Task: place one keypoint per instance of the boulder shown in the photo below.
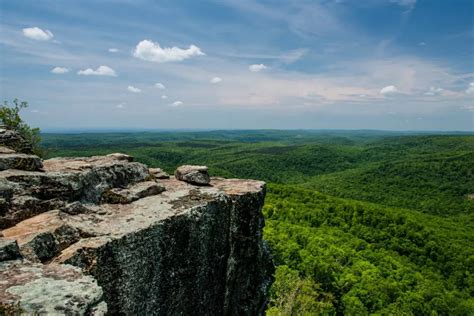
(197, 175)
(120, 156)
(158, 173)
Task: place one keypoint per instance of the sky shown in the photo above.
(240, 64)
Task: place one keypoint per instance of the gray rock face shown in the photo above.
(53, 289)
(167, 248)
(198, 175)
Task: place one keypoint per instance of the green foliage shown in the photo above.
(10, 115)
(372, 259)
(293, 295)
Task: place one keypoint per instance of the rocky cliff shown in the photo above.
(108, 235)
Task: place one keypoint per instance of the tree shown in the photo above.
(10, 115)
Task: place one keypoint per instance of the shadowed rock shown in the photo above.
(9, 250)
(198, 175)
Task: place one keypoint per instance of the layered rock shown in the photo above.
(140, 246)
(13, 140)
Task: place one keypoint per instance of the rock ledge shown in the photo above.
(103, 235)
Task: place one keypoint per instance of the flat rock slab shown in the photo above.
(52, 289)
(6, 150)
(20, 161)
(198, 175)
(133, 193)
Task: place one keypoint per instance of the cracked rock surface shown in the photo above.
(98, 235)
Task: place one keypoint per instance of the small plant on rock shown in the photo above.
(10, 116)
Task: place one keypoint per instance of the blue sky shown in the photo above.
(240, 64)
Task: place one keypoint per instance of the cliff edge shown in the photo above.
(105, 234)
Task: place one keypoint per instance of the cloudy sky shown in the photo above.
(345, 64)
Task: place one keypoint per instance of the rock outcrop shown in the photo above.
(103, 235)
(197, 175)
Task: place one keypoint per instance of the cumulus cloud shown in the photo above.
(113, 50)
(470, 88)
(434, 91)
(164, 97)
(257, 67)
(59, 70)
(216, 80)
(177, 103)
(37, 34)
(150, 51)
(159, 85)
(388, 90)
(133, 89)
(101, 71)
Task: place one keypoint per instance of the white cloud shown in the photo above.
(37, 34)
(133, 89)
(59, 70)
(150, 51)
(120, 106)
(164, 97)
(389, 90)
(470, 88)
(216, 80)
(422, 44)
(177, 103)
(101, 71)
(113, 50)
(257, 67)
(434, 91)
(159, 85)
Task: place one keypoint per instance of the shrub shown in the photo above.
(10, 115)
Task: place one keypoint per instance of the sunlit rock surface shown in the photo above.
(141, 245)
